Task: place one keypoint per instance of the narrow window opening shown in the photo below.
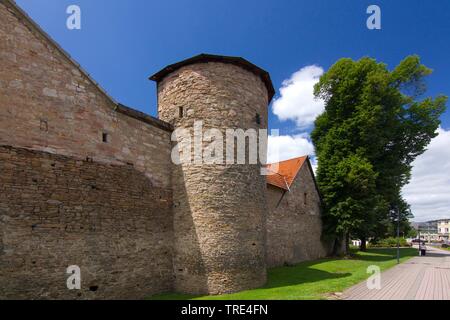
(44, 125)
(181, 112)
(305, 196)
(105, 137)
(258, 118)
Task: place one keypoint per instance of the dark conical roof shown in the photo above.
(202, 58)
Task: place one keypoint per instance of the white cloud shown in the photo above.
(296, 101)
(288, 147)
(428, 193)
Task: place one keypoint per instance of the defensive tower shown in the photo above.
(219, 209)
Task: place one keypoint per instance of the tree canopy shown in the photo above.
(376, 122)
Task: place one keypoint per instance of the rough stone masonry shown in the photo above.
(87, 181)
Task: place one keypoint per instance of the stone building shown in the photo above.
(293, 222)
(87, 181)
(443, 227)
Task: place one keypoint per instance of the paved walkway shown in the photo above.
(420, 278)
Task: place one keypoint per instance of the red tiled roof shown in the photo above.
(284, 172)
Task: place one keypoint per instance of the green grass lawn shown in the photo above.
(312, 279)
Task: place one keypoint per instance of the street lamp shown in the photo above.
(398, 235)
(395, 213)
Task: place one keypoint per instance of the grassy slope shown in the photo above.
(312, 279)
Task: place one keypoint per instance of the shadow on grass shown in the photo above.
(305, 273)
(277, 278)
(299, 274)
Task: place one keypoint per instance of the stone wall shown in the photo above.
(294, 225)
(87, 182)
(47, 103)
(109, 220)
(219, 210)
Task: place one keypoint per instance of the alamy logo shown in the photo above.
(74, 20)
(196, 146)
(374, 281)
(374, 20)
(74, 281)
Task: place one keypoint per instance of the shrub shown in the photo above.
(389, 243)
(445, 246)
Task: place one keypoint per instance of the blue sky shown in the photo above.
(121, 43)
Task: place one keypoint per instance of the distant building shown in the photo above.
(429, 237)
(356, 243)
(435, 230)
(443, 228)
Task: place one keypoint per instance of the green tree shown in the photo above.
(412, 233)
(375, 124)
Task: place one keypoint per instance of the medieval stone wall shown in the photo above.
(294, 225)
(109, 220)
(47, 104)
(85, 184)
(219, 210)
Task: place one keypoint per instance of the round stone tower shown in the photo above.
(219, 209)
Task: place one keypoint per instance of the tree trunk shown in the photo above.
(338, 249)
(335, 251)
(363, 246)
(341, 245)
(347, 244)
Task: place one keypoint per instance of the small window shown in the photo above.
(305, 198)
(105, 137)
(258, 119)
(44, 125)
(181, 112)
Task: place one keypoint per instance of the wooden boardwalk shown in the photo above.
(420, 278)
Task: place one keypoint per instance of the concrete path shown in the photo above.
(420, 278)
